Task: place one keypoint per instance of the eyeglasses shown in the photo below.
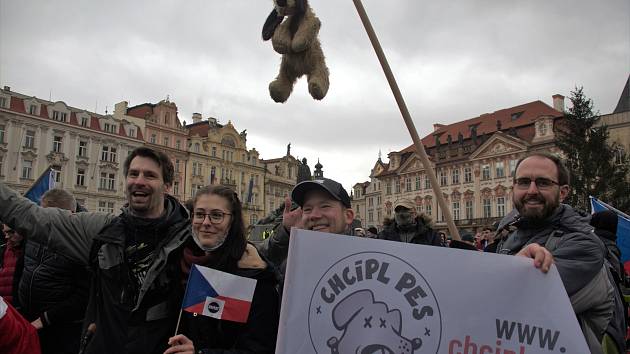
(541, 183)
(10, 232)
(216, 216)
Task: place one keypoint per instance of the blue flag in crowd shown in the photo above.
(43, 183)
(623, 227)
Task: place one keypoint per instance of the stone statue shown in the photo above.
(304, 172)
(289, 149)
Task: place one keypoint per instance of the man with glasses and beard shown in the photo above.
(551, 232)
(409, 227)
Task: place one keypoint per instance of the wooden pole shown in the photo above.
(407, 118)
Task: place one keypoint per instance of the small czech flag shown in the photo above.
(218, 294)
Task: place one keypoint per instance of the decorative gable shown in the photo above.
(499, 144)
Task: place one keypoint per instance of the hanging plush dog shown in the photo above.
(296, 39)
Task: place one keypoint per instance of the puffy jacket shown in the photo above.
(579, 257)
(258, 335)
(422, 234)
(53, 287)
(11, 267)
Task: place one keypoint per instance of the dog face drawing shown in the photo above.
(369, 327)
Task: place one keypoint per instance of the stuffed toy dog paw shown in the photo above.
(293, 27)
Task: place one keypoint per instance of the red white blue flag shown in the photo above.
(218, 294)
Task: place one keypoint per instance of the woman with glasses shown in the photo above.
(219, 242)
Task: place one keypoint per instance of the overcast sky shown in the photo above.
(453, 61)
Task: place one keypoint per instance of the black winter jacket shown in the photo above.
(423, 233)
(258, 335)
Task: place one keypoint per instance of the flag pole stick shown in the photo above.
(178, 319)
(407, 118)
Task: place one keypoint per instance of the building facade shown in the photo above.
(86, 150)
(218, 154)
(280, 178)
(474, 161)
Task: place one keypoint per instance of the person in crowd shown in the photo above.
(371, 232)
(605, 224)
(17, 336)
(134, 256)
(54, 289)
(359, 231)
(467, 242)
(551, 232)
(219, 243)
(11, 264)
(407, 226)
(324, 205)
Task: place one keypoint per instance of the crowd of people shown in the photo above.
(87, 282)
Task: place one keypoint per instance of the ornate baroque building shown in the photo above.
(280, 178)
(219, 155)
(473, 161)
(86, 150)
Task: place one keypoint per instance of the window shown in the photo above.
(487, 208)
(3, 102)
(153, 139)
(110, 207)
(32, 110)
(455, 176)
(542, 129)
(27, 169)
(56, 174)
(83, 148)
(371, 201)
(429, 209)
(443, 178)
(512, 167)
(195, 169)
(176, 165)
(397, 186)
(84, 121)
(379, 214)
(178, 144)
(167, 119)
(59, 116)
(1, 134)
(418, 185)
(132, 132)
(388, 188)
(107, 181)
(81, 177)
(378, 200)
(419, 209)
(370, 216)
(499, 169)
(29, 139)
(108, 154)
(165, 141)
(469, 209)
(214, 151)
(408, 184)
(253, 219)
(110, 128)
(427, 182)
(500, 206)
(197, 147)
(176, 187)
(485, 172)
(468, 175)
(57, 143)
(455, 210)
(102, 206)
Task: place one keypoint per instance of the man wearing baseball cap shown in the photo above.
(408, 227)
(324, 206)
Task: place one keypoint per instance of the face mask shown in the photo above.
(403, 219)
(210, 248)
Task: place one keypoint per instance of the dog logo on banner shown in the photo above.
(373, 302)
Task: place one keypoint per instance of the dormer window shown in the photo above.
(3, 102)
(32, 110)
(516, 115)
(542, 129)
(59, 116)
(132, 132)
(110, 128)
(84, 121)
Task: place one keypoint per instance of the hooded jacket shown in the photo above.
(258, 335)
(422, 233)
(125, 323)
(579, 257)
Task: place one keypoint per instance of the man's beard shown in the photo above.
(537, 214)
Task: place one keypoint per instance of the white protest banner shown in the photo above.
(346, 295)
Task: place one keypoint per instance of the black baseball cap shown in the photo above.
(335, 189)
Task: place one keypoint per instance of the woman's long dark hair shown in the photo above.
(235, 243)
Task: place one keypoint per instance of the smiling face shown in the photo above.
(212, 218)
(534, 202)
(321, 212)
(145, 187)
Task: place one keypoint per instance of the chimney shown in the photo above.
(120, 108)
(558, 102)
(437, 126)
(196, 117)
(7, 88)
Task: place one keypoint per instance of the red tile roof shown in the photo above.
(17, 104)
(141, 110)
